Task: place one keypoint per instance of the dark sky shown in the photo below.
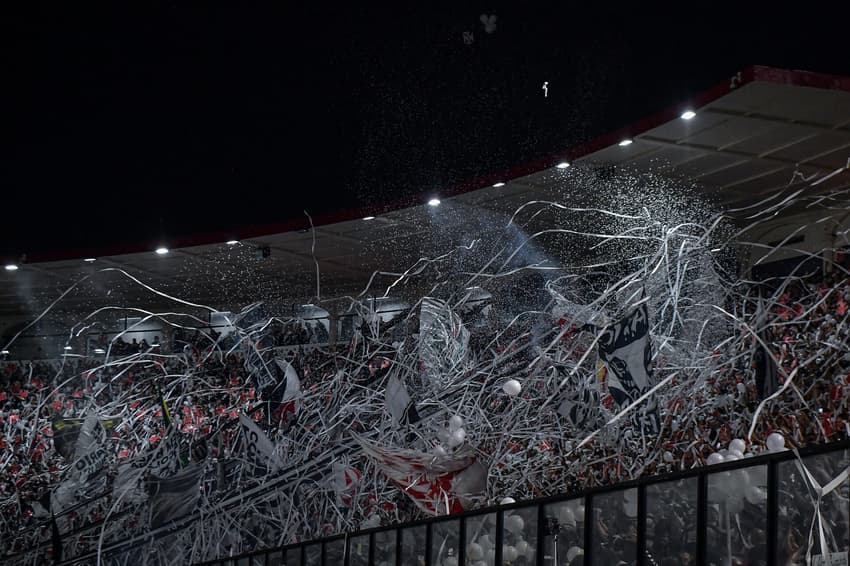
(124, 125)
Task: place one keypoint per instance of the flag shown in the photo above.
(261, 372)
(90, 453)
(41, 507)
(436, 484)
(176, 496)
(399, 404)
(162, 460)
(443, 339)
(56, 540)
(626, 350)
(344, 482)
(65, 433)
(284, 398)
(259, 450)
(579, 406)
(165, 412)
(764, 362)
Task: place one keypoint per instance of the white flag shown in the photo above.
(259, 450)
(399, 403)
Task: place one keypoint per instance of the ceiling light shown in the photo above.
(562, 165)
(232, 242)
(162, 251)
(368, 218)
(68, 348)
(434, 202)
(499, 184)
(625, 142)
(90, 259)
(13, 267)
(688, 114)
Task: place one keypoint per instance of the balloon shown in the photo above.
(742, 389)
(450, 561)
(457, 438)
(522, 547)
(474, 551)
(512, 387)
(737, 445)
(506, 501)
(455, 422)
(668, 457)
(714, 458)
(440, 452)
(573, 552)
(485, 542)
(755, 495)
(775, 442)
(509, 553)
(567, 517)
(630, 503)
(514, 524)
(579, 512)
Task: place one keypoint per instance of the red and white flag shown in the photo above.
(439, 485)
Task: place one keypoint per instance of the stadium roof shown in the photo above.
(758, 132)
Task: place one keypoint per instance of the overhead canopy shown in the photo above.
(767, 128)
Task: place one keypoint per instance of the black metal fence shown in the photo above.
(765, 510)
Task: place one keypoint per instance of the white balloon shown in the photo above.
(630, 503)
(566, 516)
(509, 553)
(668, 457)
(775, 442)
(522, 547)
(506, 501)
(485, 542)
(742, 389)
(755, 495)
(474, 551)
(738, 445)
(714, 458)
(455, 422)
(450, 561)
(457, 437)
(579, 512)
(732, 456)
(573, 552)
(512, 387)
(514, 524)
(439, 451)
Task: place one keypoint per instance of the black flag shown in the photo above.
(626, 349)
(764, 362)
(56, 539)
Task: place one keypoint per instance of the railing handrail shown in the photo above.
(769, 459)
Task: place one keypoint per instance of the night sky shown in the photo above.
(124, 126)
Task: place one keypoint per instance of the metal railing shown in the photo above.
(756, 510)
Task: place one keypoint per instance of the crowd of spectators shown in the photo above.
(808, 333)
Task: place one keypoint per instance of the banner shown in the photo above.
(626, 350)
(259, 450)
(174, 497)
